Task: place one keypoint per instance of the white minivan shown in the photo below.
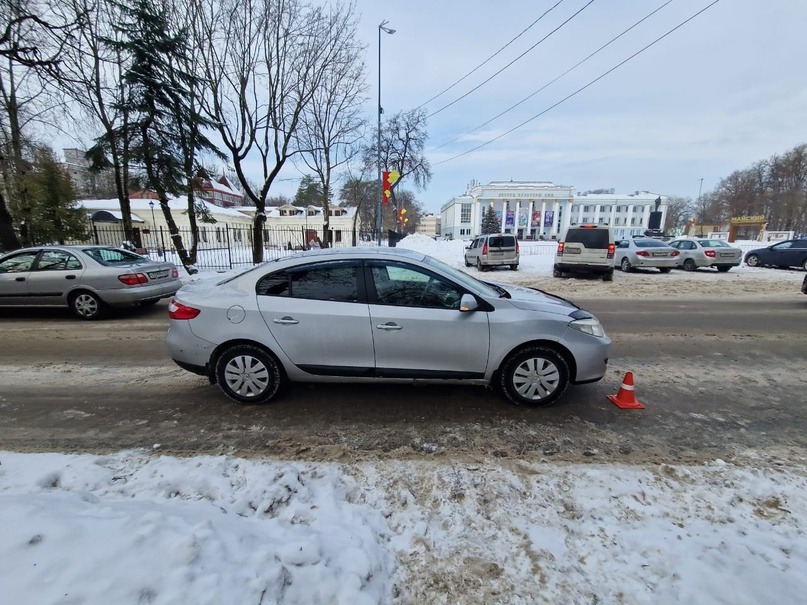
(586, 249)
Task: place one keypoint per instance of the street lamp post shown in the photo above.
(380, 203)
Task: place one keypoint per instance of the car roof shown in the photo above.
(359, 252)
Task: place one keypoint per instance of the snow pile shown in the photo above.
(135, 528)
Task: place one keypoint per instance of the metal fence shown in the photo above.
(220, 246)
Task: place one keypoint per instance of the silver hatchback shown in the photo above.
(707, 252)
(380, 315)
(84, 278)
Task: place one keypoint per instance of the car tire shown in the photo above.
(724, 268)
(514, 267)
(752, 260)
(624, 265)
(248, 374)
(665, 269)
(534, 377)
(804, 264)
(689, 265)
(86, 305)
(480, 266)
(467, 264)
(608, 275)
(557, 273)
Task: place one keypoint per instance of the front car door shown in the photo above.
(318, 316)
(418, 329)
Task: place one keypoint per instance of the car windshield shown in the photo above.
(114, 256)
(462, 277)
(713, 243)
(649, 243)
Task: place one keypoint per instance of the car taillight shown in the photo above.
(561, 246)
(611, 250)
(517, 248)
(177, 310)
(642, 253)
(485, 249)
(677, 253)
(133, 279)
(709, 253)
(174, 272)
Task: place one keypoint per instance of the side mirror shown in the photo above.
(468, 303)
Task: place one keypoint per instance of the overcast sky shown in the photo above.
(721, 92)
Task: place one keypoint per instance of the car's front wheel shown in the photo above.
(535, 377)
(86, 305)
(248, 374)
(752, 260)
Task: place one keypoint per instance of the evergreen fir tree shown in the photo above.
(490, 222)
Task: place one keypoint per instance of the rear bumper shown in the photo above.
(122, 297)
(583, 268)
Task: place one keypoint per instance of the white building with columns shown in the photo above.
(543, 210)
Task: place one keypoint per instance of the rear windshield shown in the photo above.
(590, 238)
(114, 256)
(649, 243)
(502, 241)
(713, 243)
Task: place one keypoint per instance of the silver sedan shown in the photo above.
(646, 252)
(380, 315)
(706, 252)
(84, 278)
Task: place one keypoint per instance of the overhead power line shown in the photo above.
(548, 84)
(589, 3)
(524, 31)
(579, 90)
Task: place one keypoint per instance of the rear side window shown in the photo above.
(590, 238)
(336, 282)
(502, 241)
(114, 256)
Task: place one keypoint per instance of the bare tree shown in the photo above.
(679, 211)
(264, 61)
(403, 140)
(331, 125)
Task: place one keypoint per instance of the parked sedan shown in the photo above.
(380, 315)
(791, 253)
(646, 252)
(706, 252)
(84, 278)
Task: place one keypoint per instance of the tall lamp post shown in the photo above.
(380, 204)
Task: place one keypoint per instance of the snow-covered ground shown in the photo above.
(139, 527)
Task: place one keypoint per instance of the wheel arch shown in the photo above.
(217, 352)
(549, 344)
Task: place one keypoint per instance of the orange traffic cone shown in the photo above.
(624, 397)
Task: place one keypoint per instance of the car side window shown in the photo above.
(623, 244)
(407, 286)
(336, 282)
(57, 260)
(18, 263)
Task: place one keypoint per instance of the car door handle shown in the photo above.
(389, 326)
(70, 277)
(285, 320)
(19, 279)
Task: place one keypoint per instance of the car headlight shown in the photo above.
(589, 326)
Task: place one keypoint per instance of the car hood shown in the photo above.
(537, 300)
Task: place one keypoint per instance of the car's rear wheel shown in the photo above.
(479, 265)
(248, 374)
(535, 377)
(557, 272)
(724, 268)
(804, 264)
(514, 267)
(689, 265)
(86, 305)
(625, 265)
(608, 275)
(665, 269)
(752, 260)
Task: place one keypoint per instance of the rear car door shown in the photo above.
(501, 248)
(318, 316)
(55, 273)
(587, 246)
(418, 329)
(14, 273)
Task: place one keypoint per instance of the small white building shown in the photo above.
(628, 214)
